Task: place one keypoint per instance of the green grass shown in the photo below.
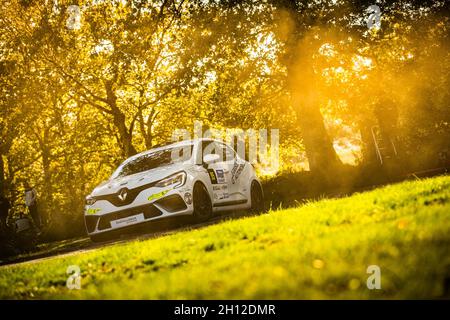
(319, 250)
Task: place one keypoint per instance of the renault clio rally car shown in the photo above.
(197, 177)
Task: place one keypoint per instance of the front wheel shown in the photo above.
(257, 197)
(202, 203)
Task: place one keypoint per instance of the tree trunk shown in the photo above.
(322, 157)
(305, 97)
(2, 176)
(146, 129)
(368, 147)
(119, 120)
(125, 136)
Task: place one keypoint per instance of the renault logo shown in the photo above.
(123, 194)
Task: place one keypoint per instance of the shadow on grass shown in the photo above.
(153, 229)
(288, 190)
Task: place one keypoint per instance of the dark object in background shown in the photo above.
(26, 235)
(35, 215)
(31, 203)
(19, 237)
(4, 211)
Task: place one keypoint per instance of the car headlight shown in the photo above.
(90, 201)
(176, 180)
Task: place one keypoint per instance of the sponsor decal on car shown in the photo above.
(92, 210)
(212, 176)
(220, 176)
(221, 192)
(224, 195)
(127, 221)
(236, 171)
(220, 187)
(158, 195)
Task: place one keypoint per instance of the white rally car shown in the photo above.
(195, 177)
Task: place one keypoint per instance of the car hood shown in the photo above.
(137, 180)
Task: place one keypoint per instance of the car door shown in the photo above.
(239, 176)
(219, 172)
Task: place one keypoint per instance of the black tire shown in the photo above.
(202, 203)
(257, 197)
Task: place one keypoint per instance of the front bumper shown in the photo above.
(103, 216)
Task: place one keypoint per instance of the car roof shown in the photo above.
(170, 145)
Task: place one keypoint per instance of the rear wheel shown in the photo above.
(257, 197)
(202, 203)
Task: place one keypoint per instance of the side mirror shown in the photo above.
(210, 158)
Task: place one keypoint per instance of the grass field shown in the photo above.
(319, 250)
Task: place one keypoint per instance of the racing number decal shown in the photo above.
(236, 171)
(217, 176)
(212, 176)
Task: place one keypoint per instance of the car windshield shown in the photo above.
(153, 160)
